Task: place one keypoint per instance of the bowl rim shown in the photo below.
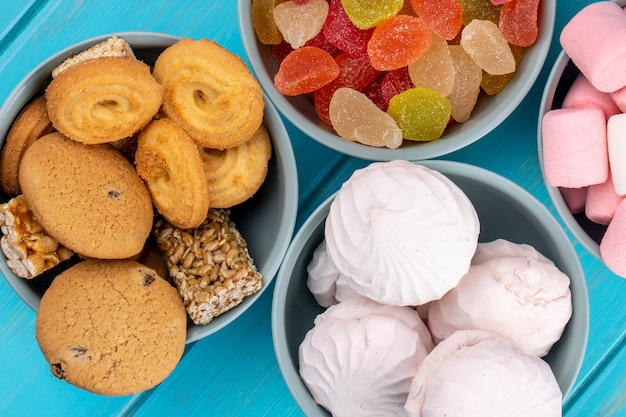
(547, 98)
(511, 190)
(425, 150)
(282, 151)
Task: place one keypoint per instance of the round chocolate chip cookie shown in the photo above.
(112, 327)
(88, 197)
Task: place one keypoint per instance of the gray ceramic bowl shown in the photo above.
(560, 79)
(267, 221)
(488, 114)
(505, 211)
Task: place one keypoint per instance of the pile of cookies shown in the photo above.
(126, 174)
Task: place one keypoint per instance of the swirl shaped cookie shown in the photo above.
(210, 93)
(29, 125)
(167, 159)
(103, 99)
(88, 197)
(236, 174)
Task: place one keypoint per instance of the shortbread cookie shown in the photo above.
(114, 46)
(88, 197)
(111, 327)
(29, 125)
(210, 265)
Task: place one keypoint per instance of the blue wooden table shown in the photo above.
(234, 372)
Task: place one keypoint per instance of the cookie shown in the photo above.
(30, 124)
(112, 327)
(88, 197)
(167, 159)
(209, 92)
(236, 174)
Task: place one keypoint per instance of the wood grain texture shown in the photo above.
(234, 372)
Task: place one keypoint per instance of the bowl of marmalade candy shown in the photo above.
(397, 79)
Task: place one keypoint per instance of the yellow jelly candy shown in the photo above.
(483, 41)
(367, 14)
(356, 118)
(262, 13)
(422, 114)
(466, 84)
(435, 69)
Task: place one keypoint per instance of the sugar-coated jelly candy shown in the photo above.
(321, 42)
(466, 84)
(483, 41)
(497, 2)
(519, 22)
(493, 84)
(356, 118)
(374, 92)
(481, 10)
(262, 15)
(444, 17)
(367, 14)
(434, 70)
(304, 70)
(422, 114)
(395, 82)
(353, 73)
(341, 32)
(298, 23)
(398, 41)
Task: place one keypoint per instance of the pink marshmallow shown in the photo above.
(602, 201)
(619, 98)
(582, 94)
(575, 147)
(594, 40)
(574, 198)
(613, 244)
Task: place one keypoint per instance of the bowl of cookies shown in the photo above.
(579, 130)
(377, 303)
(138, 187)
(404, 80)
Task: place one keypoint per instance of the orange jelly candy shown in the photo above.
(304, 70)
(444, 17)
(398, 41)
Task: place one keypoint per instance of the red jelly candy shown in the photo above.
(444, 17)
(281, 51)
(398, 41)
(519, 22)
(354, 73)
(341, 32)
(395, 82)
(374, 92)
(304, 70)
(321, 42)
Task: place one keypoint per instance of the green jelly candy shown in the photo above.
(421, 113)
(367, 14)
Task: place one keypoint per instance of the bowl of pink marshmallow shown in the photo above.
(582, 131)
(430, 288)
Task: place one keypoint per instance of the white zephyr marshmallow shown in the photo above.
(526, 300)
(475, 373)
(486, 251)
(324, 281)
(401, 233)
(361, 356)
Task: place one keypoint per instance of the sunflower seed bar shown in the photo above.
(210, 265)
(28, 248)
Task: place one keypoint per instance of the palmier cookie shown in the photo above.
(88, 197)
(103, 99)
(167, 159)
(210, 93)
(29, 125)
(236, 174)
(112, 327)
